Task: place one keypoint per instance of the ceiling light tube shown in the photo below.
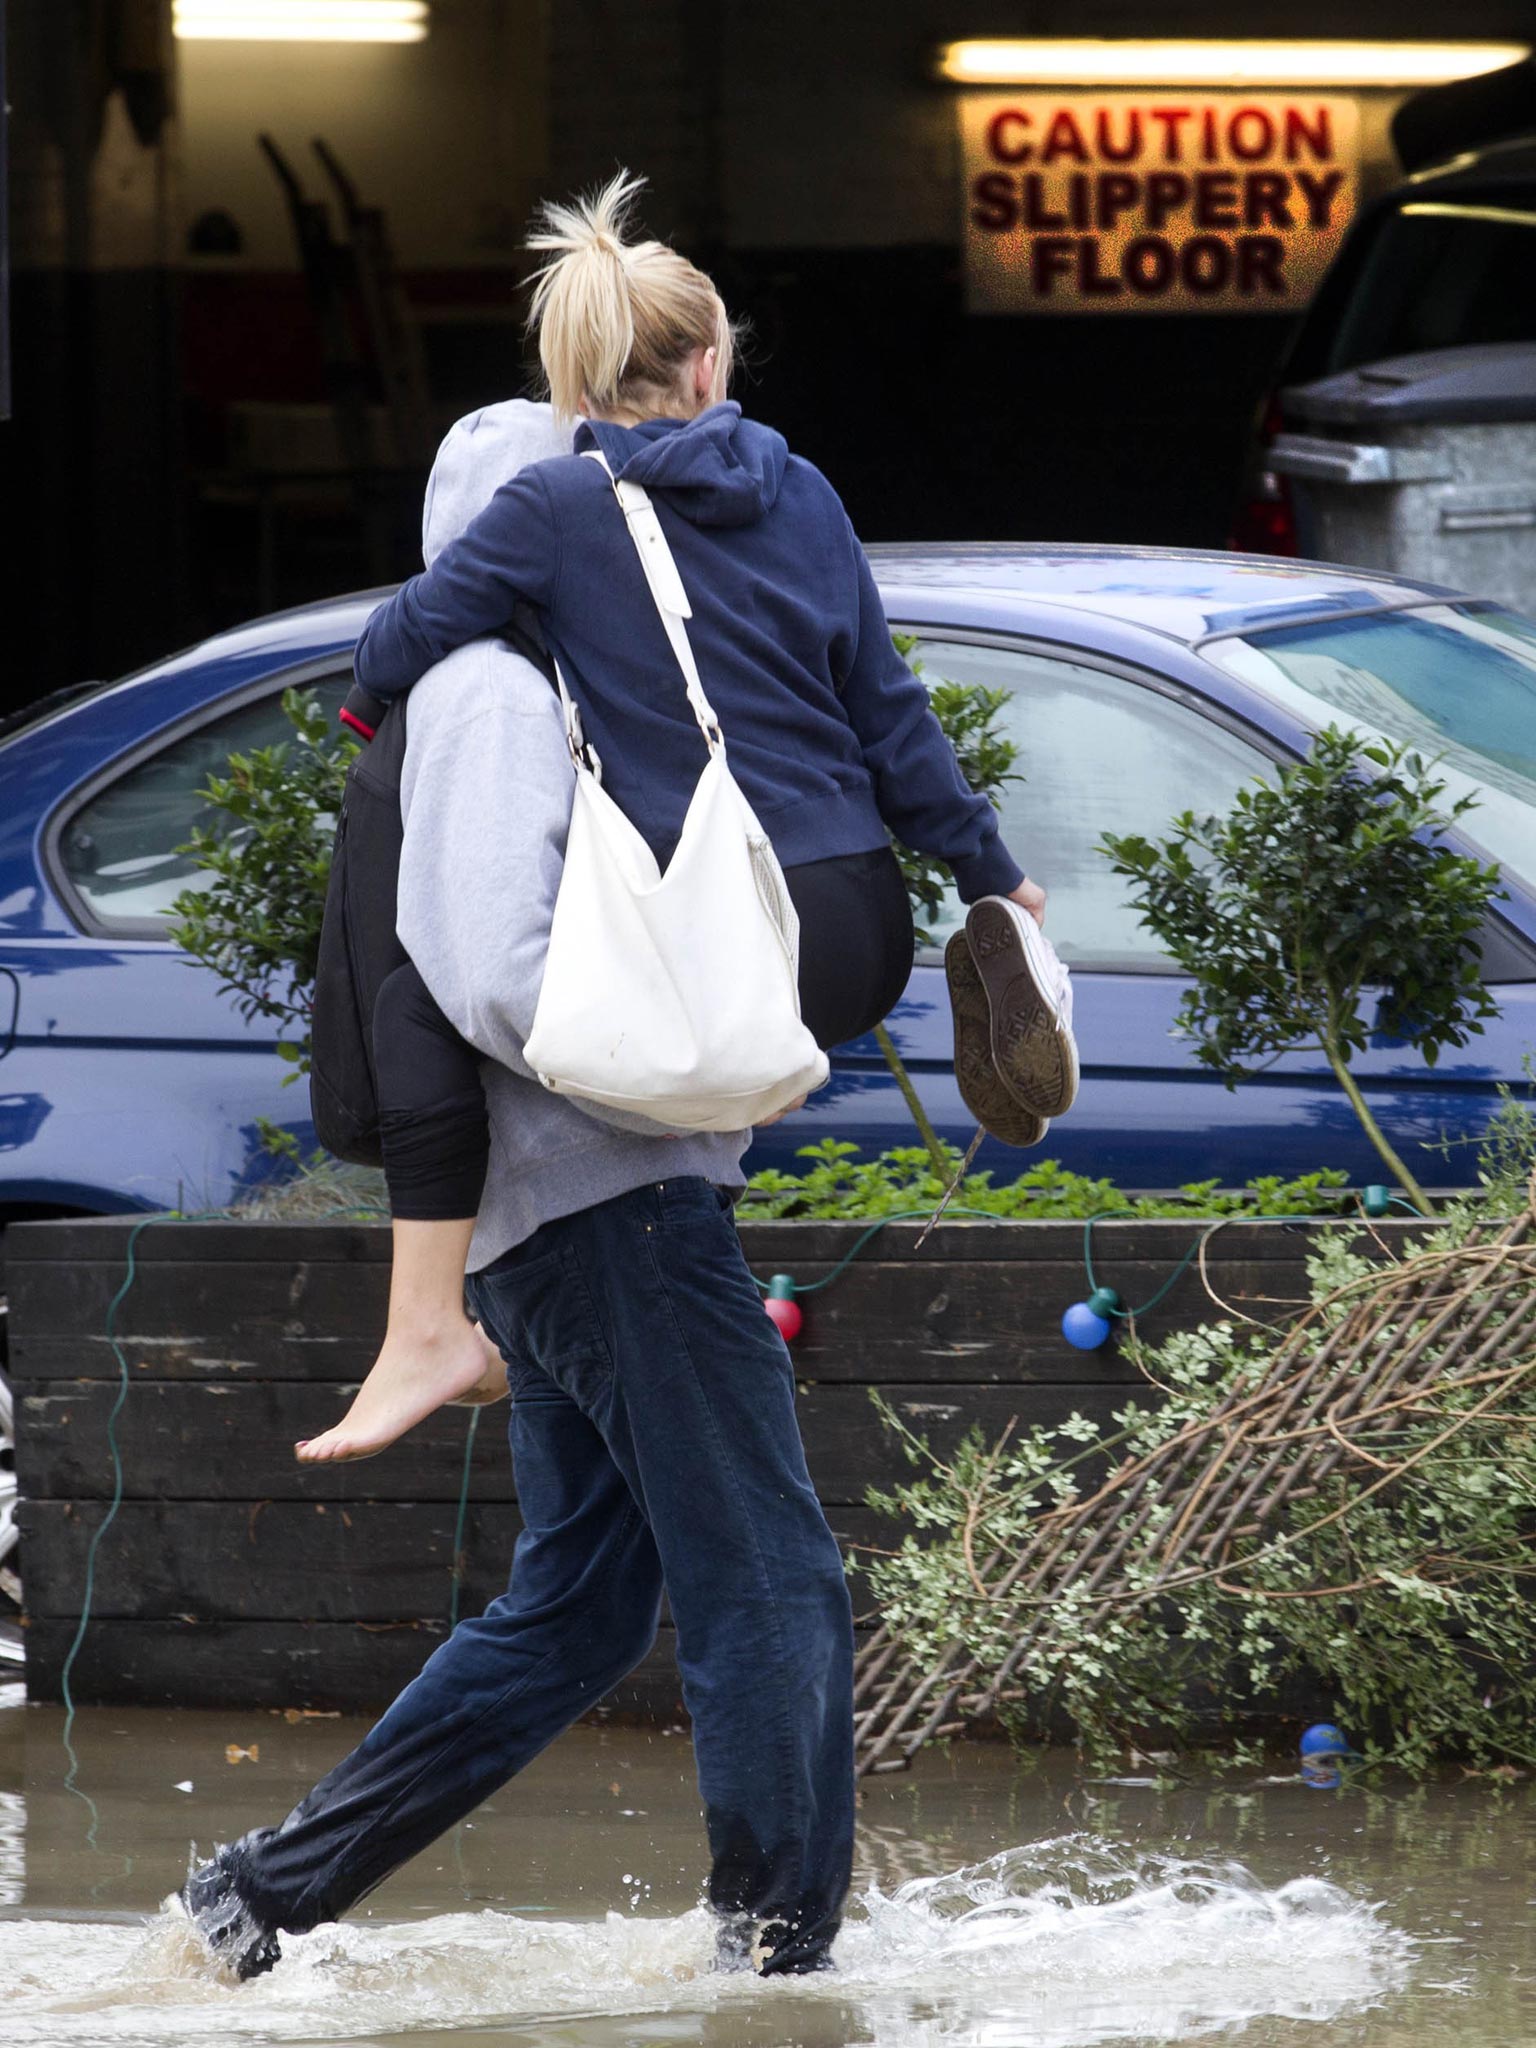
(1067, 61)
(300, 21)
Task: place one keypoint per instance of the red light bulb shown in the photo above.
(783, 1309)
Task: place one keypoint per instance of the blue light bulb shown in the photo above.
(1087, 1324)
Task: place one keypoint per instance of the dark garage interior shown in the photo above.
(251, 282)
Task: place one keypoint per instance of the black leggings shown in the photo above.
(855, 957)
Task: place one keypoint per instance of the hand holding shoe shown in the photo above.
(1031, 897)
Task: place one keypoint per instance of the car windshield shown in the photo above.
(1458, 682)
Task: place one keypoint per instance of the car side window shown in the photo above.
(1097, 753)
(121, 851)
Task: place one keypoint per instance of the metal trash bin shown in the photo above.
(1424, 465)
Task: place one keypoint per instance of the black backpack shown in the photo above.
(358, 946)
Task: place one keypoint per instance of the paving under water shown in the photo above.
(994, 1904)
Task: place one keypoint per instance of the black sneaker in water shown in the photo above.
(735, 1936)
(233, 1935)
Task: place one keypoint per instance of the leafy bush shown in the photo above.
(1394, 1579)
(256, 920)
(1315, 888)
(1362, 1606)
(840, 1184)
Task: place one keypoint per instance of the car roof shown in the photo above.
(1180, 594)
(324, 621)
(1185, 595)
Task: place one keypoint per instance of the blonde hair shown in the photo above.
(617, 320)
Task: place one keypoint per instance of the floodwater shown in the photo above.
(993, 1906)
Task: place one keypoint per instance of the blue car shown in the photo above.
(1140, 682)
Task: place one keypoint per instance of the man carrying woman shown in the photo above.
(653, 1426)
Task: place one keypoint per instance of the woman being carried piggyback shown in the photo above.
(831, 737)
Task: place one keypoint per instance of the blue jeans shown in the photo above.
(654, 1442)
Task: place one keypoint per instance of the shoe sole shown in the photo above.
(982, 1090)
(1034, 1051)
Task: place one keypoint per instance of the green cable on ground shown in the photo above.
(896, 1216)
(1209, 1231)
(991, 1216)
(87, 1596)
(1181, 1268)
(88, 1591)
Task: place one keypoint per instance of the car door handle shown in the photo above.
(10, 1005)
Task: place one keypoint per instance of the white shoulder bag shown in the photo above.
(675, 995)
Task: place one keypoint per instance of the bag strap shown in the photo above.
(666, 588)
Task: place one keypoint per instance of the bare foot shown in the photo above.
(416, 1373)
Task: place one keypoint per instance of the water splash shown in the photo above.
(1080, 1940)
(1064, 1944)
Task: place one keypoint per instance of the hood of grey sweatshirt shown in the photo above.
(479, 454)
(485, 799)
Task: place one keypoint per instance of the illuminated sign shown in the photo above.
(1114, 202)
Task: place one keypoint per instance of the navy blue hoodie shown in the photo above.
(828, 732)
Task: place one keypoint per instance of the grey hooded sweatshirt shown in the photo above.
(485, 800)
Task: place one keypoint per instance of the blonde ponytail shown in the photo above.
(617, 320)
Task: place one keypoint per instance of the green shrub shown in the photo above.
(1318, 890)
(1407, 1611)
(256, 919)
(1396, 1584)
(839, 1184)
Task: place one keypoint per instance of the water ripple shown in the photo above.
(1063, 1944)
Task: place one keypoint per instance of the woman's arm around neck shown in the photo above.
(509, 554)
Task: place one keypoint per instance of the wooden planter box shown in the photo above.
(234, 1576)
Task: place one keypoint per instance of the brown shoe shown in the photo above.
(982, 1091)
(1029, 1002)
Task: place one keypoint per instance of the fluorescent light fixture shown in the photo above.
(1067, 61)
(300, 21)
